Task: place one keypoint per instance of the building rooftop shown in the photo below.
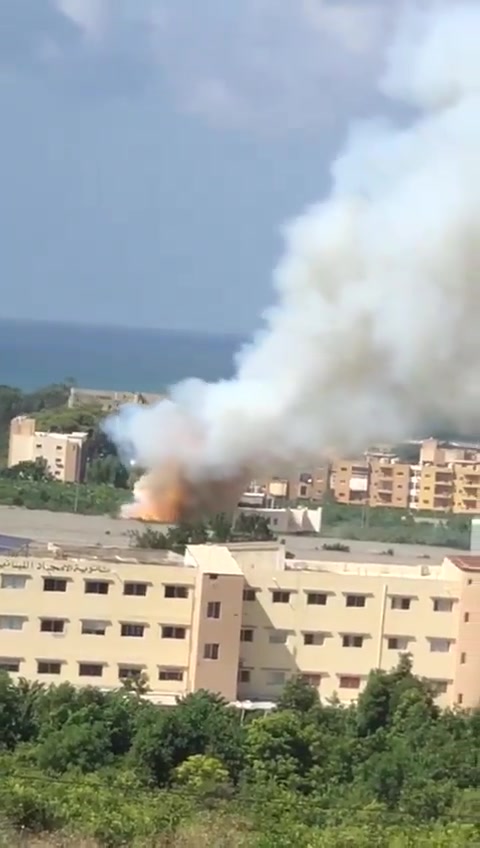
(369, 569)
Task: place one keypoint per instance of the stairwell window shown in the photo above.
(211, 651)
(213, 609)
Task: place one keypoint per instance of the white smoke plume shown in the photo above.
(377, 316)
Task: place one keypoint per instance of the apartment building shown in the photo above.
(295, 485)
(239, 620)
(63, 452)
(436, 452)
(108, 400)
(349, 481)
(389, 484)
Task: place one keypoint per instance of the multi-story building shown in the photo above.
(62, 452)
(295, 486)
(435, 452)
(107, 399)
(349, 481)
(239, 620)
(389, 484)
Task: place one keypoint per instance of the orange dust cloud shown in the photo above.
(166, 496)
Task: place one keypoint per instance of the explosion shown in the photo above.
(167, 496)
(375, 329)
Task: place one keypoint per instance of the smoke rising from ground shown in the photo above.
(375, 328)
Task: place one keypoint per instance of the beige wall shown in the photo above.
(231, 597)
(389, 484)
(62, 452)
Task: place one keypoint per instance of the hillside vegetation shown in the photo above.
(113, 770)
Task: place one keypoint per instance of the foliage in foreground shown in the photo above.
(393, 771)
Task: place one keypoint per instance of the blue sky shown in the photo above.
(152, 149)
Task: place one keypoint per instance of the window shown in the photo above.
(466, 617)
(397, 643)
(94, 628)
(135, 589)
(52, 625)
(312, 679)
(244, 675)
(213, 609)
(13, 581)
(54, 584)
(316, 598)
(303, 491)
(279, 597)
(96, 587)
(90, 670)
(349, 640)
(172, 591)
(211, 651)
(249, 594)
(355, 601)
(11, 622)
(129, 672)
(278, 637)
(441, 646)
(399, 603)
(313, 638)
(8, 664)
(439, 686)
(276, 678)
(442, 604)
(246, 634)
(169, 632)
(136, 630)
(48, 667)
(459, 698)
(463, 658)
(170, 674)
(348, 681)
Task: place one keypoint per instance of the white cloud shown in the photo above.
(267, 64)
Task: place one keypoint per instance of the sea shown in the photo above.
(34, 354)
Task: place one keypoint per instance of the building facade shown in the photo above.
(239, 620)
(63, 452)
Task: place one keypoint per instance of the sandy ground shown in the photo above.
(65, 528)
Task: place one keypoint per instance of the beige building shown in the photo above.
(349, 481)
(239, 620)
(63, 452)
(389, 484)
(107, 399)
(435, 452)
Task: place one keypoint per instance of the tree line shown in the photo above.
(392, 771)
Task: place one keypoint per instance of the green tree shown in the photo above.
(35, 471)
(298, 696)
(252, 527)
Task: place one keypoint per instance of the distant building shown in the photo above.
(239, 620)
(349, 481)
(108, 400)
(63, 452)
(284, 519)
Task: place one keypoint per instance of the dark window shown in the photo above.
(176, 591)
(249, 594)
(132, 630)
(244, 675)
(355, 601)
(281, 597)
(246, 635)
(96, 587)
(170, 674)
(135, 589)
(129, 672)
(52, 584)
(211, 651)
(90, 670)
(52, 625)
(213, 609)
(317, 598)
(170, 632)
(47, 667)
(10, 665)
